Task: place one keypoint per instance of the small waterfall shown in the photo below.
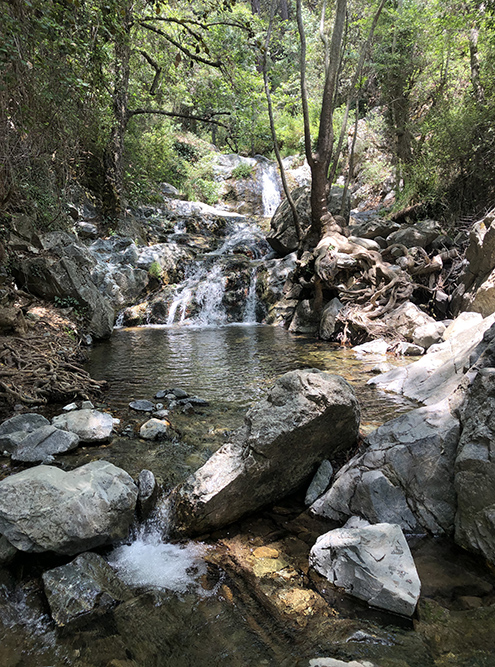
(271, 193)
(152, 562)
(200, 299)
(250, 308)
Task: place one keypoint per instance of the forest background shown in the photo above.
(115, 97)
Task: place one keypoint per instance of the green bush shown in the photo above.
(242, 170)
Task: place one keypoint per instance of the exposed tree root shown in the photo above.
(44, 364)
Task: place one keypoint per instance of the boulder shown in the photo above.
(82, 590)
(7, 551)
(282, 237)
(154, 429)
(405, 349)
(307, 416)
(65, 272)
(476, 290)
(41, 445)
(89, 425)
(147, 493)
(47, 509)
(379, 346)
(372, 563)
(319, 483)
(406, 319)
(437, 374)
(405, 476)
(475, 468)
(420, 235)
(333, 662)
(428, 334)
(14, 430)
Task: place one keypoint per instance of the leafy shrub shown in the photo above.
(242, 170)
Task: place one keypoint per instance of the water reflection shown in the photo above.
(230, 364)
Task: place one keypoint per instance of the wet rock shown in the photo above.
(436, 375)
(373, 563)
(405, 476)
(82, 590)
(179, 393)
(147, 493)
(86, 230)
(47, 509)
(89, 425)
(307, 416)
(142, 406)
(320, 482)
(306, 318)
(154, 429)
(376, 226)
(7, 551)
(475, 469)
(41, 445)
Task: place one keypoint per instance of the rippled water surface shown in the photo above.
(230, 365)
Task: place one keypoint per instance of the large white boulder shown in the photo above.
(307, 416)
(373, 563)
(47, 509)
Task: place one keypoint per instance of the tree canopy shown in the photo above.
(118, 95)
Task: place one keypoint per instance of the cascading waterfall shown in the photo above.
(199, 299)
(271, 193)
(250, 307)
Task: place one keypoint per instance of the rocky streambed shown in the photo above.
(252, 589)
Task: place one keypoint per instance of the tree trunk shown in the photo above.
(114, 150)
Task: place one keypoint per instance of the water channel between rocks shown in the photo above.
(219, 603)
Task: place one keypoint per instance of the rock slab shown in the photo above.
(307, 416)
(82, 590)
(47, 509)
(373, 563)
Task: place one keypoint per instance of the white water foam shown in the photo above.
(149, 562)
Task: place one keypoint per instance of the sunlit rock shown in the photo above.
(372, 563)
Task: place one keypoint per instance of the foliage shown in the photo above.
(155, 270)
(243, 170)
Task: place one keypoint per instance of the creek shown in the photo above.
(243, 597)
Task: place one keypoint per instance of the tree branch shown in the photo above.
(173, 114)
(304, 89)
(192, 56)
(158, 71)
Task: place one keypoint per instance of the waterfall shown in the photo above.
(200, 300)
(250, 307)
(271, 193)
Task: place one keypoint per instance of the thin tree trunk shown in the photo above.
(285, 185)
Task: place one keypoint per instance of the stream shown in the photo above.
(244, 596)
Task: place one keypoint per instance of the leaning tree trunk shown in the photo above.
(113, 178)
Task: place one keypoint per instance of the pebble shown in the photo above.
(142, 406)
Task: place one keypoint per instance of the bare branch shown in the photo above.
(304, 89)
(173, 114)
(156, 67)
(189, 54)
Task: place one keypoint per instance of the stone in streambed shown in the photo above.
(372, 563)
(47, 509)
(307, 416)
(142, 406)
(82, 590)
(13, 430)
(154, 429)
(41, 445)
(89, 425)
